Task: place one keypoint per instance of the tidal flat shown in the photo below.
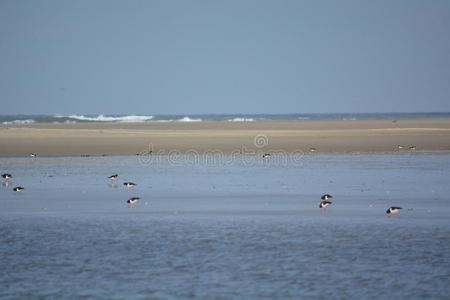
(226, 227)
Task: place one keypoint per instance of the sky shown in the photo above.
(197, 57)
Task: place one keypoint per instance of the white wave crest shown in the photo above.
(241, 120)
(29, 121)
(65, 122)
(187, 119)
(103, 118)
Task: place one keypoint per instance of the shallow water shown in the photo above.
(226, 228)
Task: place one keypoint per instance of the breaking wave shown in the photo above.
(241, 120)
(187, 119)
(28, 121)
(103, 118)
(117, 118)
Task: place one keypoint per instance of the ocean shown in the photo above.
(29, 119)
(227, 228)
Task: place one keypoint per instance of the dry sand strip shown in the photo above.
(362, 136)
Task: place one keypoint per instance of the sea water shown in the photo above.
(226, 227)
(30, 119)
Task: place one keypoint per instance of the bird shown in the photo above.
(113, 177)
(412, 148)
(133, 200)
(129, 184)
(6, 176)
(326, 197)
(325, 202)
(33, 154)
(266, 155)
(393, 210)
(18, 189)
(312, 149)
(400, 147)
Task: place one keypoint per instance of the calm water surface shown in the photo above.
(226, 228)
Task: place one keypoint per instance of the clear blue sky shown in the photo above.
(180, 57)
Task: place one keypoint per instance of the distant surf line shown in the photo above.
(137, 118)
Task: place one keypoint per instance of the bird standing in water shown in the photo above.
(325, 201)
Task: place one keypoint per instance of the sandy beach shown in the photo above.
(326, 136)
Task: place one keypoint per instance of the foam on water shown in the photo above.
(241, 120)
(187, 119)
(103, 118)
(26, 119)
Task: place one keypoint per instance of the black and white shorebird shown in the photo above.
(412, 148)
(325, 200)
(6, 176)
(18, 189)
(393, 210)
(400, 147)
(133, 200)
(266, 155)
(312, 149)
(33, 154)
(326, 197)
(129, 184)
(113, 177)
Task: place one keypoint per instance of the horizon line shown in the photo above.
(197, 114)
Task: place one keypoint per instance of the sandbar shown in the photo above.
(325, 136)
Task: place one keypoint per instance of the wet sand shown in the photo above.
(330, 136)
